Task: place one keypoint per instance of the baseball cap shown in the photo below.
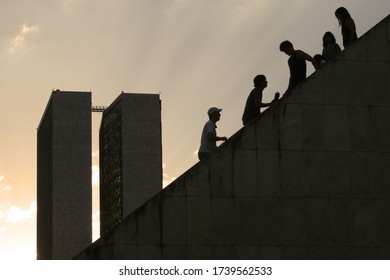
(213, 110)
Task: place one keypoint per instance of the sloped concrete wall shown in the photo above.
(310, 179)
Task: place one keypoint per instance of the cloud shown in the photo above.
(20, 39)
(10, 214)
(3, 185)
(16, 214)
(6, 187)
(166, 178)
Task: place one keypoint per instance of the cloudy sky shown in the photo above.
(195, 53)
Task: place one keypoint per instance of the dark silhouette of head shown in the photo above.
(328, 38)
(342, 14)
(286, 47)
(260, 81)
(214, 114)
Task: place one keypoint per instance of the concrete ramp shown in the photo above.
(309, 179)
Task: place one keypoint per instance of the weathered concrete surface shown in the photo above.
(308, 180)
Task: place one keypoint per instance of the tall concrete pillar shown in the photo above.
(130, 156)
(64, 183)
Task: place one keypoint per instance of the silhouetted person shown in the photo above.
(296, 63)
(208, 141)
(348, 28)
(255, 99)
(330, 47)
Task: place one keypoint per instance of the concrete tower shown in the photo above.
(130, 156)
(64, 184)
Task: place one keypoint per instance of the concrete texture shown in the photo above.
(308, 180)
(64, 184)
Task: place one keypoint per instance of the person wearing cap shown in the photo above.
(208, 141)
(255, 100)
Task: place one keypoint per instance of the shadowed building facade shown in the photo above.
(130, 156)
(64, 184)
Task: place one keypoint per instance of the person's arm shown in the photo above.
(212, 137)
(276, 97)
(259, 104)
(307, 57)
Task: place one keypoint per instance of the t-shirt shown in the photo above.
(297, 67)
(251, 111)
(206, 145)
